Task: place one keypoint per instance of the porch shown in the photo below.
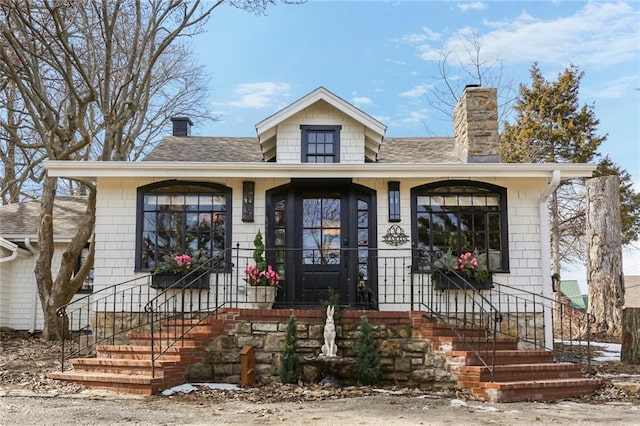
(427, 336)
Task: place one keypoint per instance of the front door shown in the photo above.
(323, 235)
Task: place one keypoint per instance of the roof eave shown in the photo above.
(183, 169)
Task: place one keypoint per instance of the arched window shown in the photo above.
(462, 216)
(181, 217)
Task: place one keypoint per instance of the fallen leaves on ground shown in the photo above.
(25, 361)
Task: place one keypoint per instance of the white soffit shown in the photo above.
(183, 169)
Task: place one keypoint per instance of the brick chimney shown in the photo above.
(181, 126)
(475, 125)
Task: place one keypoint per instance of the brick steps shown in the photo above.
(503, 357)
(121, 383)
(519, 375)
(131, 367)
(519, 372)
(128, 368)
(455, 343)
(431, 329)
(537, 390)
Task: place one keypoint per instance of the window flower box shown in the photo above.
(164, 280)
(450, 281)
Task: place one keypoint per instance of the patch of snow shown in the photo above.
(190, 387)
(486, 408)
(387, 391)
(458, 403)
(186, 388)
(610, 351)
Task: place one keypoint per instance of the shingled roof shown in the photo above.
(247, 149)
(21, 220)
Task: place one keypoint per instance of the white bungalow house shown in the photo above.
(345, 212)
(327, 189)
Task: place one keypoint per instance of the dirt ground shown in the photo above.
(28, 397)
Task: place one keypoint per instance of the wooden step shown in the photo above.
(537, 390)
(519, 372)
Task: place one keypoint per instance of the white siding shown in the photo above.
(321, 113)
(20, 307)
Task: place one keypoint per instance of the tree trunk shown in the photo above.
(604, 257)
(630, 336)
(56, 292)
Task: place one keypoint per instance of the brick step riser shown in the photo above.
(180, 330)
(192, 323)
(459, 346)
(164, 343)
(509, 360)
(435, 334)
(539, 394)
(172, 336)
(472, 379)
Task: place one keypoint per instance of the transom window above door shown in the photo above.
(320, 144)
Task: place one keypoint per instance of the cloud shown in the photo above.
(426, 35)
(614, 89)
(259, 95)
(476, 5)
(416, 116)
(361, 100)
(600, 34)
(416, 91)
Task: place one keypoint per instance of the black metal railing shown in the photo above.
(531, 317)
(388, 280)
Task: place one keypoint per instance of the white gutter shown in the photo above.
(35, 297)
(545, 254)
(13, 248)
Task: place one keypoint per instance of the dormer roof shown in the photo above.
(374, 129)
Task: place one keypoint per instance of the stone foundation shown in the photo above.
(406, 361)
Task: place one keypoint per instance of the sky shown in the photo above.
(383, 57)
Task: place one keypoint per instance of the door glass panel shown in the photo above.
(321, 229)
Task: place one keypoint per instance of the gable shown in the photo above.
(277, 133)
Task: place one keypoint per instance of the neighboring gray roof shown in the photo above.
(571, 289)
(21, 219)
(206, 149)
(247, 149)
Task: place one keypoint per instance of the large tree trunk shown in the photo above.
(59, 291)
(604, 257)
(630, 336)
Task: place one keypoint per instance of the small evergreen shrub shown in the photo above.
(289, 363)
(368, 365)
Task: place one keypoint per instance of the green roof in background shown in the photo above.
(571, 289)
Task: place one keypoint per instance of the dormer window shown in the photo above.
(320, 144)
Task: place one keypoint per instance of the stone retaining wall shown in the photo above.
(406, 361)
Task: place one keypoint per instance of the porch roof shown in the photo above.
(190, 169)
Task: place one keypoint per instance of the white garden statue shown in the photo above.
(329, 349)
